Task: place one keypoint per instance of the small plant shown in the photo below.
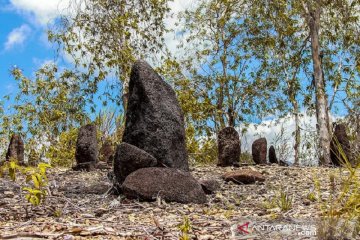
(269, 203)
(37, 176)
(281, 200)
(284, 201)
(185, 229)
(311, 196)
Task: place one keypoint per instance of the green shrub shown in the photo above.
(35, 179)
(62, 152)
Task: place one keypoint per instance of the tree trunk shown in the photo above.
(320, 95)
(297, 135)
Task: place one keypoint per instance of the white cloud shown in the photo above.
(171, 38)
(40, 11)
(17, 36)
(279, 132)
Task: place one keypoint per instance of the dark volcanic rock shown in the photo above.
(87, 152)
(107, 152)
(259, 150)
(229, 147)
(339, 139)
(272, 155)
(244, 176)
(154, 119)
(209, 186)
(16, 149)
(172, 185)
(128, 159)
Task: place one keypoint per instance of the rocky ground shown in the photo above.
(79, 207)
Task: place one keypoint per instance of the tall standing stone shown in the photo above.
(340, 139)
(272, 155)
(16, 149)
(228, 147)
(87, 151)
(154, 119)
(259, 150)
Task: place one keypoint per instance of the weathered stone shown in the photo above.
(87, 151)
(259, 150)
(172, 185)
(244, 176)
(272, 155)
(229, 147)
(209, 186)
(107, 152)
(16, 149)
(340, 145)
(154, 119)
(128, 159)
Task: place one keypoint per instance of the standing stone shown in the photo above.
(229, 147)
(154, 119)
(342, 141)
(87, 151)
(128, 159)
(259, 150)
(272, 155)
(16, 149)
(107, 152)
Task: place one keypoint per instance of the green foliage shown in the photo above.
(57, 99)
(284, 201)
(36, 176)
(47, 105)
(185, 228)
(281, 200)
(311, 196)
(62, 150)
(113, 35)
(217, 62)
(202, 151)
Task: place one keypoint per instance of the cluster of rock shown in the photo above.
(229, 149)
(152, 160)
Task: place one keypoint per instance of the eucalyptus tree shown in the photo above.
(329, 30)
(220, 68)
(104, 38)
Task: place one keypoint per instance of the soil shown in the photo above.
(79, 206)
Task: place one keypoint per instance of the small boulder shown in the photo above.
(16, 149)
(154, 119)
(340, 140)
(107, 152)
(259, 150)
(172, 185)
(87, 151)
(209, 186)
(128, 159)
(229, 147)
(244, 176)
(272, 155)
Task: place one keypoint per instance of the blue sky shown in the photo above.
(22, 43)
